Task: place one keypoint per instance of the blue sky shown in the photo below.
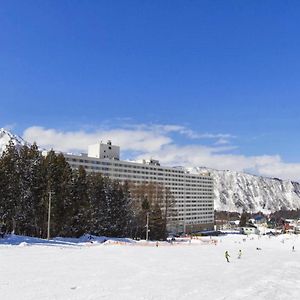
(224, 74)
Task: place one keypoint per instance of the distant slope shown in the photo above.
(237, 191)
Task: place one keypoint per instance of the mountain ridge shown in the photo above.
(234, 191)
(6, 136)
(238, 191)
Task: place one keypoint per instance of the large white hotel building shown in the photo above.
(193, 193)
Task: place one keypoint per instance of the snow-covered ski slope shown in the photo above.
(119, 269)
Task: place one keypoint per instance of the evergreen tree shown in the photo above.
(244, 219)
(59, 183)
(109, 221)
(80, 202)
(126, 212)
(117, 209)
(50, 166)
(32, 189)
(145, 205)
(80, 214)
(97, 201)
(38, 185)
(10, 188)
(3, 181)
(110, 206)
(156, 223)
(64, 204)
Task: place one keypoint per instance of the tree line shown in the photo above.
(81, 202)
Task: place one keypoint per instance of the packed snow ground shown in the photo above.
(123, 269)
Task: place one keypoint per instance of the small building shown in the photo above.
(260, 219)
(249, 230)
(297, 229)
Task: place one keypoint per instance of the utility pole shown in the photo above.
(185, 204)
(147, 226)
(49, 215)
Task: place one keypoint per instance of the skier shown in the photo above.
(227, 256)
(240, 254)
(293, 249)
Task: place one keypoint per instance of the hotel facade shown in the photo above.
(193, 193)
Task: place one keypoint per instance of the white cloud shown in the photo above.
(283, 170)
(155, 141)
(210, 157)
(183, 130)
(132, 140)
(222, 141)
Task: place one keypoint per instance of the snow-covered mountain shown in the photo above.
(236, 191)
(233, 191)
(6, 136)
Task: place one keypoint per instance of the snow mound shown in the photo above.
(84, 240)
(23, 244)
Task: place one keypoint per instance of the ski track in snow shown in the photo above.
(134, 271)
